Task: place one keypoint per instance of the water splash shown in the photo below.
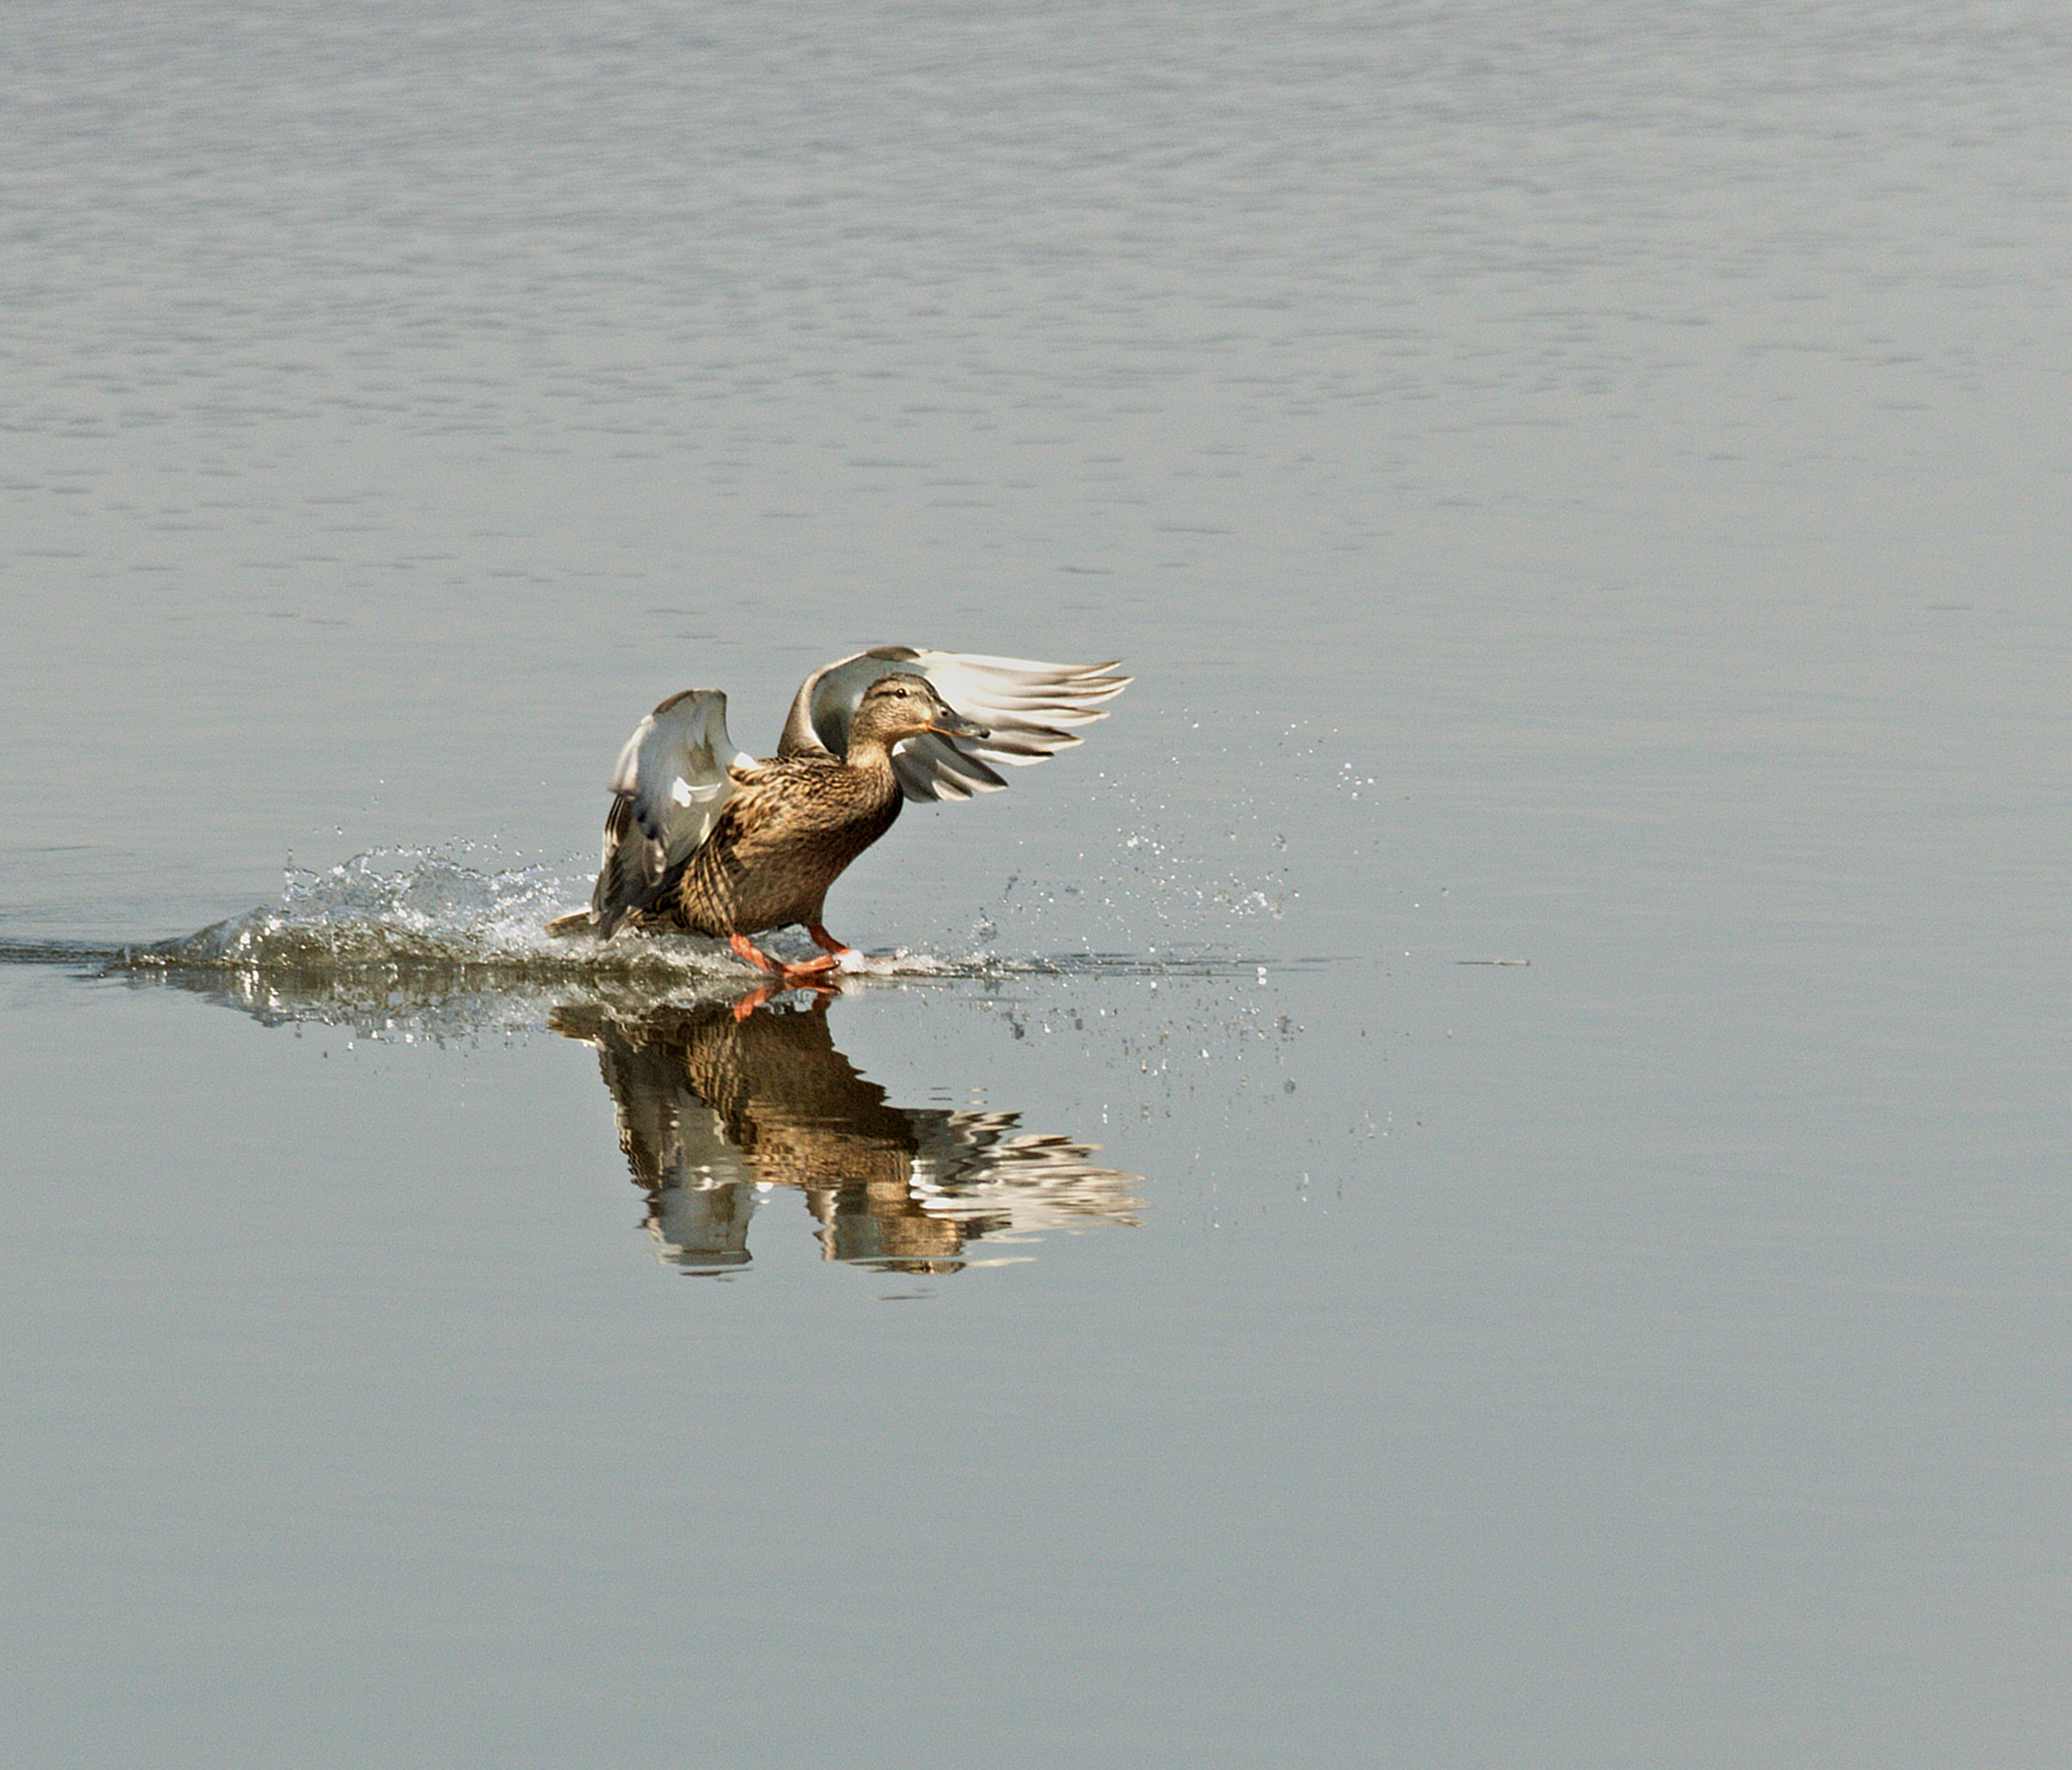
(391, 907)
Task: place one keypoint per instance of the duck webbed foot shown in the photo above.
(810, 972)
(825, 942)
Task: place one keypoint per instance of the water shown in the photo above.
(1476, 1179)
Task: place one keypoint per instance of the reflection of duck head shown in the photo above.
(714, 1110)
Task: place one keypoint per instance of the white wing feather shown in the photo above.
(669, 785)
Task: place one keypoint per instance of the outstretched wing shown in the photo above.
(1024, 703)
(668, 789)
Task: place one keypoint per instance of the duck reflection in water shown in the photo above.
(715, 1108)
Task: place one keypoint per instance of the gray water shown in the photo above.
(1478, 1178)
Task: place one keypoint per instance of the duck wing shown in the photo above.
(667, 789)
(1025, 704)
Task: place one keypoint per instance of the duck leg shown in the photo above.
(825, 942)
(754, 954)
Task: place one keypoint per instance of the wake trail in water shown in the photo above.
(410, 930)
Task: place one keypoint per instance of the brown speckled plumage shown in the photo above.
(792, 826)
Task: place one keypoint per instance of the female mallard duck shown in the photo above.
(703, 838)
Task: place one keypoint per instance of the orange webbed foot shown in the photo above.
(813, 974)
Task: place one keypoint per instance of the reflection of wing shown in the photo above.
(669, 785)
(1022, 703)
(974, 1168)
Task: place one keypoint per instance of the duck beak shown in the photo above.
(950, 724)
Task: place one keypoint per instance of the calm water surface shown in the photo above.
(1478, 1179)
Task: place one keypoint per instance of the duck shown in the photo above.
(703, 838)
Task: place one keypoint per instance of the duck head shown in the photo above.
(902, 705)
